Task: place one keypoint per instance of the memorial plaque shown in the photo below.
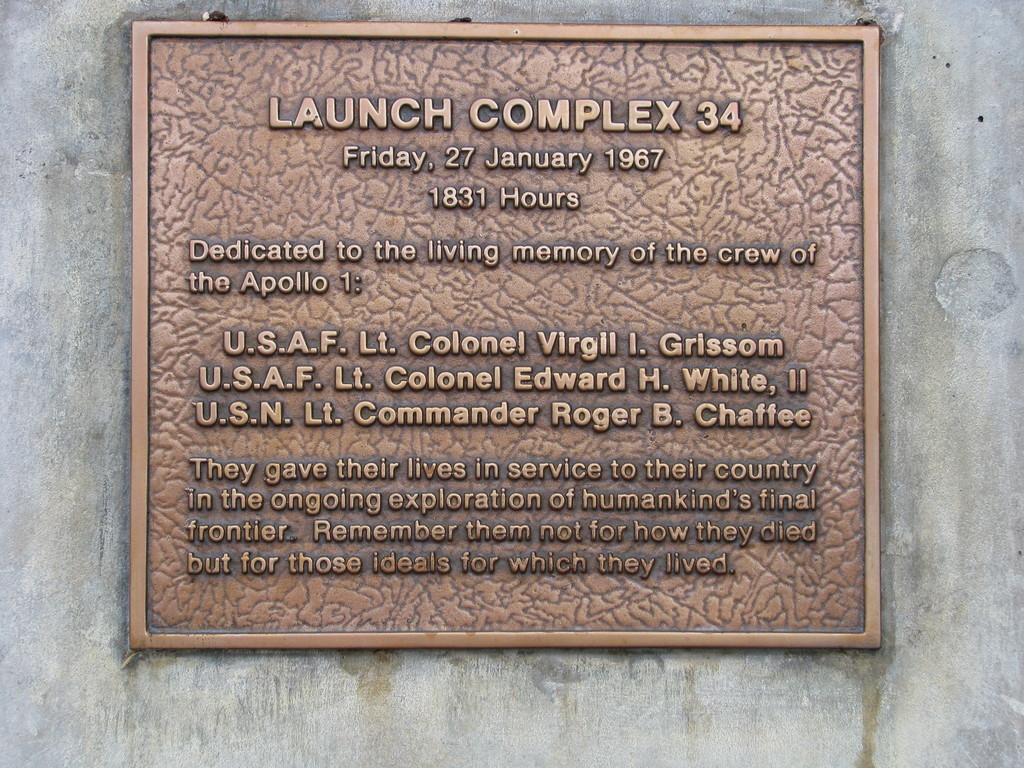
(504, 335)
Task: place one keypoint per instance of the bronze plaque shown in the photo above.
(504, 335)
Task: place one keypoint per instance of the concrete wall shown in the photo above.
(947, 688)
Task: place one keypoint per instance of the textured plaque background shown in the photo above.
(791, 176)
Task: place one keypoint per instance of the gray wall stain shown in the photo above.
(975, 285)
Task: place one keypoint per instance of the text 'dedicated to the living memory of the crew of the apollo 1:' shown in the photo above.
(493, 335)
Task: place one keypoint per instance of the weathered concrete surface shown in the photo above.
(946, 690)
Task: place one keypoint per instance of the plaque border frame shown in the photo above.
(140, 637)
